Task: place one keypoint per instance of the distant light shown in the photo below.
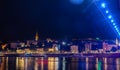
(63, 43)
(112, 20)
(117, 30)
(114, 24)
(109, 16)
(115, 27)
(107, 11)
(103, 5)
(97, 38)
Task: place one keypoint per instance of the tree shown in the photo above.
(114, 49)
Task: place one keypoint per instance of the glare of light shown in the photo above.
(117, 30)
(4, 46)
(103, 5)
(114, 24)
(97, 38)
(107, 11)
(63, 43)
(115, 27)
(112, 20)
(109, 16)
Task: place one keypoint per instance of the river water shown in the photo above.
(62, 63)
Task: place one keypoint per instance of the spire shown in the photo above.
(117, 42)
(36, 36)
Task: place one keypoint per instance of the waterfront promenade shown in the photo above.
(99, 55)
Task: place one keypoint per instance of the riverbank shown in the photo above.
(99, 55)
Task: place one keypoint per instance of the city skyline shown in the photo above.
(55, 19)
(60, 35)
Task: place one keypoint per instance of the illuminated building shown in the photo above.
(74, 49)
(56, 47)
(109, 46)
(4, 46)
(29, 42)
(22, 44)
(51, 49)
(14, 45)
(40, 50)
(49, 40)
(88, 47)
(105, 46)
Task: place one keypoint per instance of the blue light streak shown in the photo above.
(110, 17)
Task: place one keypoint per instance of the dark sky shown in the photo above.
(20, 19)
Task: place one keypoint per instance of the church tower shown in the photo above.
(117, 42)
(36, 36)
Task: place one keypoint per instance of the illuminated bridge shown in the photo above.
(107, 13)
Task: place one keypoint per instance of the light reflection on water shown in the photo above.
(55, 63)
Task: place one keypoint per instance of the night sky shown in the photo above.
(58, 19)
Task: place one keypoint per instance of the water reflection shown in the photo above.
(118, 64)
(55, 63)
(52, 63)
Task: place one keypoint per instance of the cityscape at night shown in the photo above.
(60, 35)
